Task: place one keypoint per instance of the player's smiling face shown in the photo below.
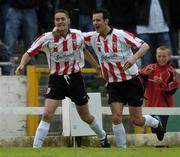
(99, 23)
(61, 21)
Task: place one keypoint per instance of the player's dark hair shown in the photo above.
(105, 12)
(62, 11)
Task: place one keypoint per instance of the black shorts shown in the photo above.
(129, 92)
(72, 86)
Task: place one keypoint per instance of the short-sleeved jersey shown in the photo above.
(112, 52)
(64, 55)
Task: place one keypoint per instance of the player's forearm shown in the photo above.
(90, 59)
(142, 51)
(25, 59)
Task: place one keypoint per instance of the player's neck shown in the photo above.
(105, 31)
(61, 33)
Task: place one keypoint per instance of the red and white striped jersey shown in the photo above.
(65, 54)
(112, 52)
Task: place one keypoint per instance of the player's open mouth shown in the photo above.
(97, 27)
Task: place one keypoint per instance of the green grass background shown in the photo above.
(90, 152)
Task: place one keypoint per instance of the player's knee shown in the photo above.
(116, 119)
(47, 116)
(87, 119)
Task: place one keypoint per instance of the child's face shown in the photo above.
(162, 57)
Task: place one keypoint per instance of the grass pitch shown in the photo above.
(90, 152)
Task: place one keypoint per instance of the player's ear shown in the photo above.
(69, 21)
(107, 21)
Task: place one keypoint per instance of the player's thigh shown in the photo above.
(117, 108)
(83, 110)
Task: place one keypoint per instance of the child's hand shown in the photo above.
(158, 79)
(147, 70)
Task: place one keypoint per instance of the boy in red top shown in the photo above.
(161, 82)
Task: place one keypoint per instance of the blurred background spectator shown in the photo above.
(21, 23)
(71, 7)
(153, 23)
(4, 6)
(45, 12)
(122, 14)
(174, 9)
(85, 8)
(4, 57)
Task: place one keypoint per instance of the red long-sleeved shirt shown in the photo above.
(157, 94)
